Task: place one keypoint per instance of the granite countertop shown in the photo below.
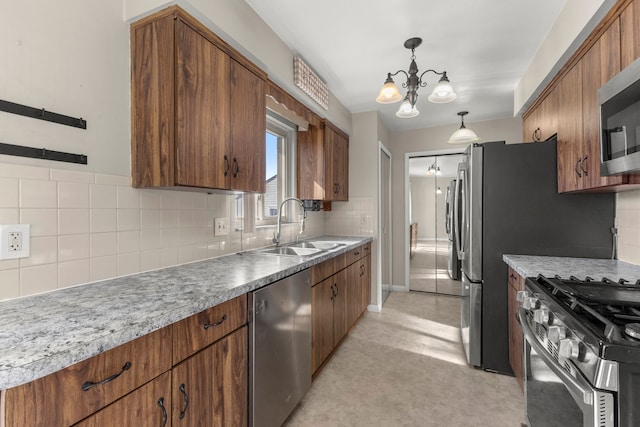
(44, 333)
(531, 266)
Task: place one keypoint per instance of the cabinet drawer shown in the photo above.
(321, 271)
(69, 395)
(357, 253)
(198, 331)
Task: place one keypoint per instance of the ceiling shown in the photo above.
(484, 46)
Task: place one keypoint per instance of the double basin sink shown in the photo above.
(302, 249)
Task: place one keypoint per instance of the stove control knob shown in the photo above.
(541, 316)
(557, 333)
(521, 296)
(569, 349)
(530, 303)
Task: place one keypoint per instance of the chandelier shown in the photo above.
(463, 135)
(443, 92)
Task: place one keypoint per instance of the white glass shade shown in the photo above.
(389, 94)
(443, 92)
(406, 111)
(463, 136)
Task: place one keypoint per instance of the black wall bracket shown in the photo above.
(42, 153)
(42, 114)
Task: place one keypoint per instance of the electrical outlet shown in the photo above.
(14, 241)
(221, 227)
(363, 219)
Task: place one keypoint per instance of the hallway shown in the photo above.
(428, 269)
(405, 367)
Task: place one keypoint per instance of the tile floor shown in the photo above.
(405, 366)
(428, 269)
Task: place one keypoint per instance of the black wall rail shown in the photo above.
(42, 153)
(42, 114)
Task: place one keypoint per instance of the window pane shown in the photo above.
(270, 205)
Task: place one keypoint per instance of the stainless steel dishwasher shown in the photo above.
(279, 349)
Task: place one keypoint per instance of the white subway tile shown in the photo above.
(103, 268)
(9, 284)
(38, 279)
(128, 198)
(185, 254)
(72, 176)
(113, 179)
(128, 219)
(103, 196)
(169, 237)
(150, 239)
(128, 241)
(199, 201)
(43, 250)
(11, 170)
(44, 222)
(73, 247)
(200, 252)
(170, 200)
(72, 273)
(73, 221)
(170, 218)
(168, 257)
(11, 216)
(38, 194)
(213, 249)
(150, 219)
(10, 192)
(128, 264)
(73, 195)
(150, 199)
(9, 264)
(103, 244)
(185, 218)
(150, 260)
(103, 220)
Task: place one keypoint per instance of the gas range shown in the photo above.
(590, 330)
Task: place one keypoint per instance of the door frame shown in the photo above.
(406, 233)
(383, 149)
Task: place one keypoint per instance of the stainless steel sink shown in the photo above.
(292, 251)
(319, 244)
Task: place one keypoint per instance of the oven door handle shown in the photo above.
(578, 387)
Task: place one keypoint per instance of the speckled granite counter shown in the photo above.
(527, 266)
(44, 333)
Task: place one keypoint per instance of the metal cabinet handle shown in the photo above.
(218, 323)
(164, 412)
(537, 135)
(237, 171)
(582, 162)
(227, 165)
(576, 168)
(185, 403)
(88, 385)
(333, 294)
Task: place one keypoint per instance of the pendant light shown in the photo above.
(463, 135)
(443, 92)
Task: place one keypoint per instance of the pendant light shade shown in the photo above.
(443, 92)
(463, 135)
(407, 110)
(389, 92)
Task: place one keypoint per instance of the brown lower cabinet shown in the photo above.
(137, 384)
(338, 301)
(516, 339)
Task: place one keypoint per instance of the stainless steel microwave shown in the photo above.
(619, 100)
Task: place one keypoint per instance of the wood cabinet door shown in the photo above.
(340, 304)
(569, 129)
(322, 296)
(339, 159)
(248, 130)
(202, 110)
(600, 64)
(630, 33)
(548, 116)
(529, 126)
(353, 284)
(211, 387)
(311, 168)
(147, 406)
(365, 283)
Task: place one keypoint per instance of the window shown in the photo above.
(280, 169)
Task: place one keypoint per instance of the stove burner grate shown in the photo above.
(632, 330)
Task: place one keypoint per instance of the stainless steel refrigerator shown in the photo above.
(509, 204)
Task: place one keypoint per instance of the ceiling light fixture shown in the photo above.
(438, 191)
(463, 135)
(434, 170)
(443, 92)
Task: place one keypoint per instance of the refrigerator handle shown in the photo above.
(447, 221)
(456, 207)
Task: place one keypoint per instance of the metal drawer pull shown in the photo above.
(219, 322)
(86, 386)
(237, 171)
(227, 165)
(164, 412)
(186, 402)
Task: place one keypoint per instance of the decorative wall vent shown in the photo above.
(307, 80)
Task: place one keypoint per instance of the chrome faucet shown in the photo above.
(276, 236)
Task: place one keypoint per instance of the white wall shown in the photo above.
(628, 215)
(427, 140)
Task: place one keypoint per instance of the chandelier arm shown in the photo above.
(399, 71)
(432, 71)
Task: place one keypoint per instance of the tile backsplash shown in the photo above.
(628, 217)
(87, 227)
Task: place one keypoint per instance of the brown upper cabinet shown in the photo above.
(198, 108)
(323, 163)
(570, 105)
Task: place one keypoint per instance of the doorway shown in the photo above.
(431, 251)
